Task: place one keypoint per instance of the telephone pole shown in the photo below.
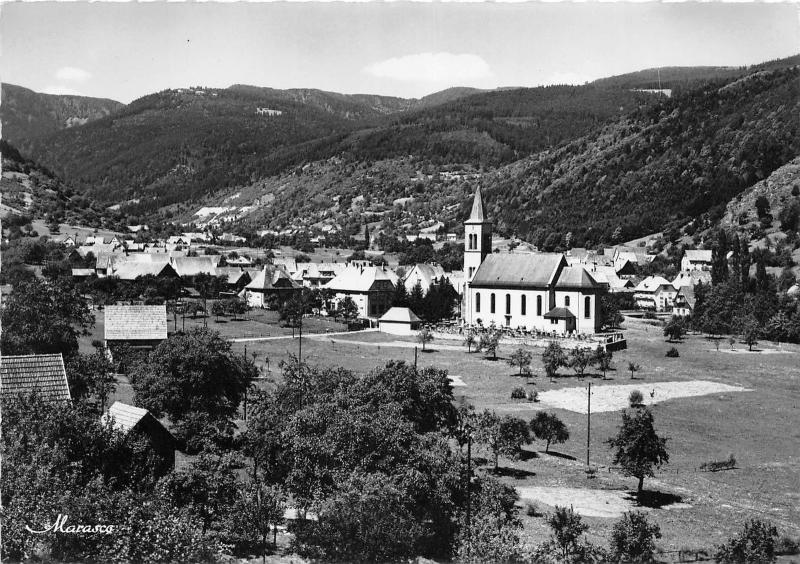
(588, 422)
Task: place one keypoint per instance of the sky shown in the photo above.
(127, 50)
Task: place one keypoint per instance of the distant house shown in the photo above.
(608, 275)
(268, 112)
(451, 237)
(654, 293)
(684, 301)
(192, 266)
(370, 287)
(423, 274)
(236, 278)
(399, 321)
(793, 290)
(64, 239)
(135, 422)
(691, 278)
(317, 274)
(139, 326)
(41, 374)
(83, 273)
(270, 281)
(695, 259)
(132, 270)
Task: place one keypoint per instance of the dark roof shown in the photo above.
(559, 313)
(477, 214)
(575, 277)
(518, 270)
(40, 373)
(136, 322)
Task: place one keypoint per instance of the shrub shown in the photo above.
(787, 545)
(633, 538)
(755, 543)
(531, 510)
(636, 398)
(533, 396)
(673, 353)
(518, 393)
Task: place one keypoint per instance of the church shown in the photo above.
(534, 291)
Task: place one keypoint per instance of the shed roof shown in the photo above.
(192, 266)
(135, 322)
(559, 313)
(400, 315)
(125, 416)
(40, 373)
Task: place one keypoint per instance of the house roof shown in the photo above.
(400, 315)
(192, 266)
(687, 293)
(652, 283)
(40, 373)
(691, 278)
(575, 277)
(125, 416)
(130, 270)
(306, 270)
(232, 274)
(272, 277)
(477, 215)
(698, 255)
(521, 270)
(135, 322)
(83, 272)
(424, 272)
(288, 263)
(559, 313)
(361, 279)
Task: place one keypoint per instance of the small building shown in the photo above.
(135, 422)
(561, 319)
(696, 259)
(399, 321)
(271, 281)
(684, 301)
(654, 293)
(41, 374)
(139, 326)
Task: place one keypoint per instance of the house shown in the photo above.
(690, 278)
(370, 287)
(41, 374)
(317, 274)
(187, 267)
(696, 259)
(271, 281)
(83, 273)
(137, 423)
(131, 270)
(64, 239)
(423, 274)
(451, 237)
(138, 326)
(239, 261)
(608, 275)
(684, 301)
(654, 293)
(235, 277)
(537, 291)
(289, 264)
(399, 321)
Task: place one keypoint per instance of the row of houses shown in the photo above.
(656, 293)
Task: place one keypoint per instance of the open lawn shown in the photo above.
(709, 403)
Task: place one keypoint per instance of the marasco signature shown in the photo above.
(60, 526)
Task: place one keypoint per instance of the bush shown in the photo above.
(787, 545)
(533, 396)
(717, 465)
(636, 398)
(673, 353)
(518, 393)
(755, 543)
(531, 510)
(633, 538)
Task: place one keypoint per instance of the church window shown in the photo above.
(508, 304)
(587, 309)
(539, 305)
(491, 303)
(522, 305)
(477, 302)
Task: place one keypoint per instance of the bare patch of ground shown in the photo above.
(609, 504)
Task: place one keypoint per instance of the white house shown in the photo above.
(655, 293)
(423, 274)
(370, 287)
(696, 259)
(399, 321)
(691, 278)
(537, 291)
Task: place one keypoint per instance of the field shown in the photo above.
(709, 403)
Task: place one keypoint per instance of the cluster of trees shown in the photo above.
(579, 359)
(736, 303)
(432, 306)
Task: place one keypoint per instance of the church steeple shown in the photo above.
(477, 215)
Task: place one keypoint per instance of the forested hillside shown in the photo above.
(27, 114)
(658, 165)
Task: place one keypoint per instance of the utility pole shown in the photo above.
(469, 483)
(588, 422)
(415, 358)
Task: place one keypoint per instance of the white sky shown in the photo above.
(126, 50)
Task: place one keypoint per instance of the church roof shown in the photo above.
(518, 270)
(575, 277)
(477, 215)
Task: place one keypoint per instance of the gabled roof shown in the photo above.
(135, 322)
(652, 283)
(400, 315)
(424, 272)
(131, 270)
(43, 374)
(192, 266)
(307, 270)
(687, 294)
(288, 263)
(691, 278)
(575, 277)
(127, 417)
(477, 215)
(361, 279)
(698, 255)
(559, 313)
(233, 274)
(518, 270)
(272, 277)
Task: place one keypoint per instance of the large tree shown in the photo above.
(502, 435)
(637, 447)
(548, 427)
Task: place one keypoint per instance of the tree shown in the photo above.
(674, 329)
(553, 358)
(494, 533)
(635, 399)
(489, 342)
(90, 375)
(602, 359)
(755, 543)
(348, 309)
(190, 373)
(502, 435)
(424, 336)
(44, 318)
(567, 527)
(522, 359)
(633, 538)
(469, 339)
(719, 259)
(259, 509)
(579, 359)
(750, 332)
(638, 449)
(633, 368)
(548, 427)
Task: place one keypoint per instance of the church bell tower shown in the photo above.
(477, 237)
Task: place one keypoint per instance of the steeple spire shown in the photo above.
(477, 215)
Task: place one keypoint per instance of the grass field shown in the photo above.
(759, 425)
